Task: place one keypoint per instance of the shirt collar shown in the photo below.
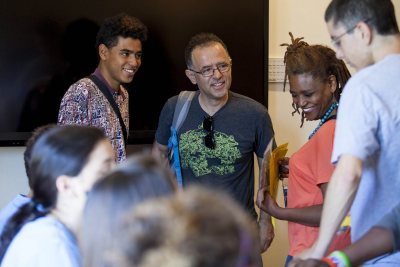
(98, 74)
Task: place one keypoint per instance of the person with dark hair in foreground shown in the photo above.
(138, 179)
(194, 228)
(65, 163)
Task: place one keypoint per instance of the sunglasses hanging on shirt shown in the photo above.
(208, 126)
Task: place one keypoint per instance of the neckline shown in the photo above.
(327, 116)
(205, 108)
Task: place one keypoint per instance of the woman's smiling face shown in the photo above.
(312, 95)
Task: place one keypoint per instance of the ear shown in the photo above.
(332, 83)
(365, 32)
(103, 51)
(191, 76)
(64, 183)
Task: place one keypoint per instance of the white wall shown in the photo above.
(303, 18)
(12, 173)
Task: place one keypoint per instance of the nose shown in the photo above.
(217, 73)
(302, 102)
(339, 53)
(134, 60)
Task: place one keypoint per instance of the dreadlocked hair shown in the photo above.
(316, 60)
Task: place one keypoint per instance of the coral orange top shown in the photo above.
(309, 167)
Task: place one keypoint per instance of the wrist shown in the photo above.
(264, 218)
(337, 259)
(278, 213)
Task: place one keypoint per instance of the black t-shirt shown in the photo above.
(241, 127)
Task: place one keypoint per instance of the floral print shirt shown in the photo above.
(85, 104)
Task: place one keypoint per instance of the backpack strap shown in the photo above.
(181, 109)
(106, 92)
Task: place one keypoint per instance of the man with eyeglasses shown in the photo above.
(222, 129)
(366, 146)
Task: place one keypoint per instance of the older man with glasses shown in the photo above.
(222, 129)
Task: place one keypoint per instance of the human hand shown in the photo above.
(266, 203)
(283, 168)
(261, 195)
(311, 253)
(296, 262)
(267, 234)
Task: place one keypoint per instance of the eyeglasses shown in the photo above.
(208, 125)
(209, 71)
(336, 40)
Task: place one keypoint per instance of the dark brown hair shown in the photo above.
(316, 60)
(378, 14)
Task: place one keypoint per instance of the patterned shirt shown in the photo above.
(85, 104)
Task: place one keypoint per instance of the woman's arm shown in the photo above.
(309, 216)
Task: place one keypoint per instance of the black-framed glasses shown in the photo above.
(209, 71)
(208, 125)
(336, 40)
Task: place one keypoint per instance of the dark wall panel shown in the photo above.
(46, 45)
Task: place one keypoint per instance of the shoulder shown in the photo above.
(246, 103)
(370, 78)
(171, 102)
(328, 127)
(325, 133)
(124, 92)
(38, 234)
(84, 86)
(44, 242)
(44, 226)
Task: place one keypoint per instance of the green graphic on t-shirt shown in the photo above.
(196, 156)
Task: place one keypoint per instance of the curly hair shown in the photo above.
(121, 25)
(317, 60)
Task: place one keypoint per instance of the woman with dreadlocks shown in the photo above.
(316, 79)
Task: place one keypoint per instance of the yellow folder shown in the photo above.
(276, 155)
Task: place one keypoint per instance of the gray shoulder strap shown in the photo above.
(182, 108)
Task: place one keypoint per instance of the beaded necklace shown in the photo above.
(324, 118)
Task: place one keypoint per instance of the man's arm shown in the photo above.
(341, 191)
(160, 152)
(376, 242)
(265, 224)
(74, 107)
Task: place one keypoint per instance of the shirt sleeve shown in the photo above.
(165, 121)
(265, 132)
(324, 145)
(391, 221)
(74, 106)
(356, 125)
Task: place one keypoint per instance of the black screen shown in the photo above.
(47, 45)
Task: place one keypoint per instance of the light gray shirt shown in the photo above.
(368, 126)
